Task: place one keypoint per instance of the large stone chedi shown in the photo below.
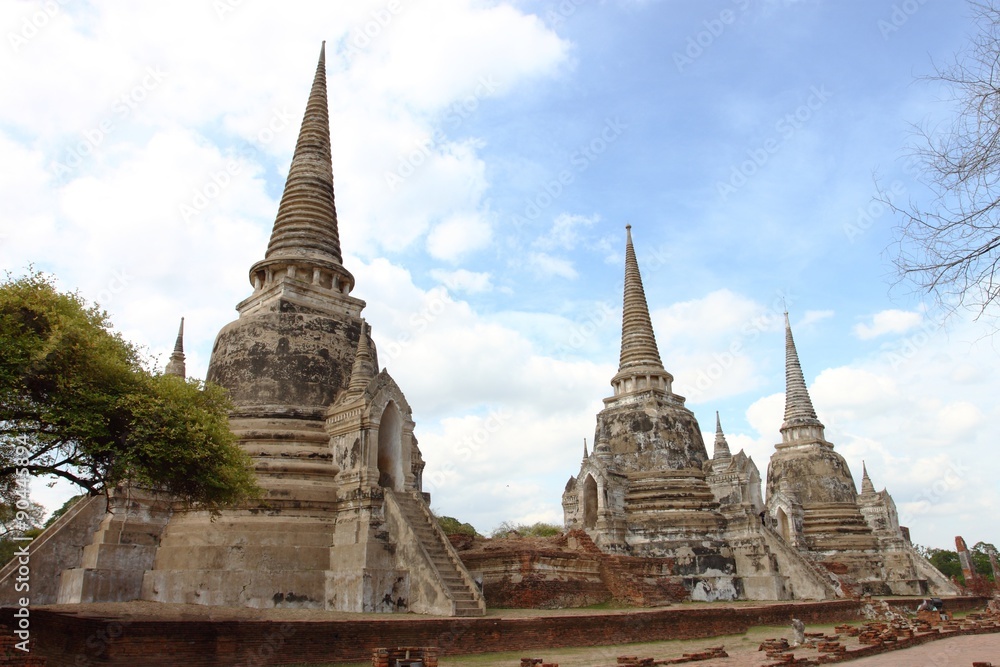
(642, 491)
(343, 524)
(816, 509)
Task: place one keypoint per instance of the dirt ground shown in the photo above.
(743, 652)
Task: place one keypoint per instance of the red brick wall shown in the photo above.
(77, 641)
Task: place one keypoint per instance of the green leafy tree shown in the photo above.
(538, 529)
(947, 563)
(18, 523)
(78, 401)
(62, 510)
(452, 526)
(981, 559)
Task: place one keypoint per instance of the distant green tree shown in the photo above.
(947, 563)
(981, 559)
(16, 523)
(78, 401)
(62, 510)
(452, 526)
(538, 529)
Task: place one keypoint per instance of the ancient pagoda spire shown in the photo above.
(363, 369)
(639, 367)
(801, 421)
(638, 341)
(305, 241)
(721, 446)
(176, 366)
(866, 482)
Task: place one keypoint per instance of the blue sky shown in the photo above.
(487, 156)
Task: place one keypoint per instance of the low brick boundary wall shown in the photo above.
(82, 640)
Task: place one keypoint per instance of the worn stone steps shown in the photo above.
(465, 601)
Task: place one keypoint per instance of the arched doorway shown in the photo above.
(390, 451)
(589, 502)
(783, 528)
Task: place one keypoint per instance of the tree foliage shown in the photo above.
(452, 526)
(948, 563)
(951, 246)
(14, 523)
(79, 402)
(538, 529)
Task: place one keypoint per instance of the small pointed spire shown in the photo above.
(585, 454)
(176, 366)
(179, 343)
(721, 446)
(866, 482)
(363, 369)
(799, 411)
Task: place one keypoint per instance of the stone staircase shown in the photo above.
(466, 597)
(938, 583)
(821, 578)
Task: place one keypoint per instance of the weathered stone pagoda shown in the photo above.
(344, 524)
(642, 491)
(814, 505)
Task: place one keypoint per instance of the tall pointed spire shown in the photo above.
(363, 369)
(800, 416)
(866, 482)
(638, 341)
(305, 241)
(586, 455)
(721, 446)
(639, 365)
(176, 364)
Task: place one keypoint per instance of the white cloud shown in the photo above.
(463, 280)
(547, 265)
(813, 316)
(458, 236)
(565, 232)
(891, 321)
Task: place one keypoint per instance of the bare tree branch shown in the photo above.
(950, 247)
